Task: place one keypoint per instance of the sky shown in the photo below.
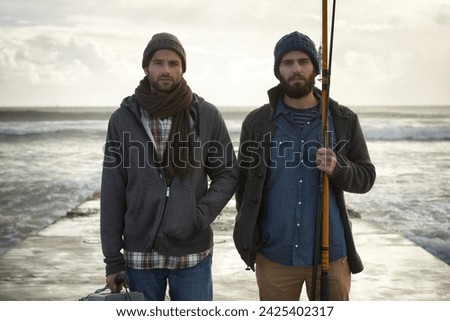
(89, 53)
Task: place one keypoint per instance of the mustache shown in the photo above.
(297, 76)
(165, 76)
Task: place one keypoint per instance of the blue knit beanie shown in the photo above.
(295, 41)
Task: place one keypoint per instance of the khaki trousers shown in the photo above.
(278, 282)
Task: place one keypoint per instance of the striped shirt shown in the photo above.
(301, 117)
(158, 130)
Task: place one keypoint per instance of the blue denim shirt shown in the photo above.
(291, 194)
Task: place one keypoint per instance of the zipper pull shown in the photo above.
(167, 191)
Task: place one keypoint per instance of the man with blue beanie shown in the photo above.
(280, 160)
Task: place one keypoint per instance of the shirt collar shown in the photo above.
(280, 107)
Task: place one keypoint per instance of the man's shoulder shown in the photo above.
(206, 110)
(206, 106)
(262, 113)
(127, 109)
(340, 110)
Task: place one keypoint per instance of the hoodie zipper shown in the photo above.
(163, 216)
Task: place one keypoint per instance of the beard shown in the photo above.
(162, 87)
(297, 90)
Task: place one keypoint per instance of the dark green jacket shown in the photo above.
(354, 173)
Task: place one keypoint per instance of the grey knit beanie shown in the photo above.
(295, 41)
(163, 41)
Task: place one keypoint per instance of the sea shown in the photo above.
(51, 160)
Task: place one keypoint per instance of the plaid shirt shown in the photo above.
(154, 260)
(158, 130)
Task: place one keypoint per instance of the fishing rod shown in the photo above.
(323, 219)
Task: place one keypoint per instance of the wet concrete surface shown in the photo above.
(64, 262)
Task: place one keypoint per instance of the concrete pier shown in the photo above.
(64, 262)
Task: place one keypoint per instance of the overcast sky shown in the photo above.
(88, 53)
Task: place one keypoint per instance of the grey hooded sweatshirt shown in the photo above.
(140, 211)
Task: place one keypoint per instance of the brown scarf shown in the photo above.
(179, 152)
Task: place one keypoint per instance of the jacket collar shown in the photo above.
(275, 94)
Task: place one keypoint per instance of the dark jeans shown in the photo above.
(190, 284)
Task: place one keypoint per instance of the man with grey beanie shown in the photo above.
(277, 198)
(169, 169)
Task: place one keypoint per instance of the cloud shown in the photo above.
(90, 52)
(52, 61)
